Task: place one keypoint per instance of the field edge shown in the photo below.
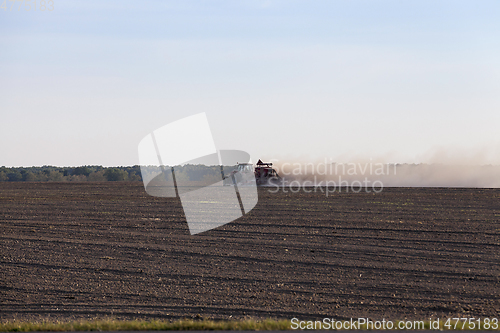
(197, 325)
(146, 325)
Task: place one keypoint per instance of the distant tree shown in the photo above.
(55, 176)
(76, 178)
(15, 176)
(82, 170)
(181, 176)
(134, 173)
(134, 177)
(209, 179)
(3, 176)
(41, 176)
(97, 176)
(29, 176)
(115, 174)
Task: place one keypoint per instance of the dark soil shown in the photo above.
(94, 250)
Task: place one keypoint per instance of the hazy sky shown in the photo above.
(410, 81)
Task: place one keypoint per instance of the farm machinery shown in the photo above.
(263, 174)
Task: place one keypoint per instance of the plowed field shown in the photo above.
(94, 250)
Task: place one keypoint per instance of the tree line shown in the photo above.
(97, 173)
(64, 174)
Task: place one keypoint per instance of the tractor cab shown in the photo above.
(246, 173)
(264, 173)
(245, 168)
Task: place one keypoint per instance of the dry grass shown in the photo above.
(143, 325)
(192, 325)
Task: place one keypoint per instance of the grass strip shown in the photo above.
(211, 325)
(145, 325)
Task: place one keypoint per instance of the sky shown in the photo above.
(399, 81)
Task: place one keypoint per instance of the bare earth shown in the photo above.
(94, 250)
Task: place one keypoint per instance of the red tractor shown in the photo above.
(263, 172)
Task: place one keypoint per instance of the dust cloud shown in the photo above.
(439, 167)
